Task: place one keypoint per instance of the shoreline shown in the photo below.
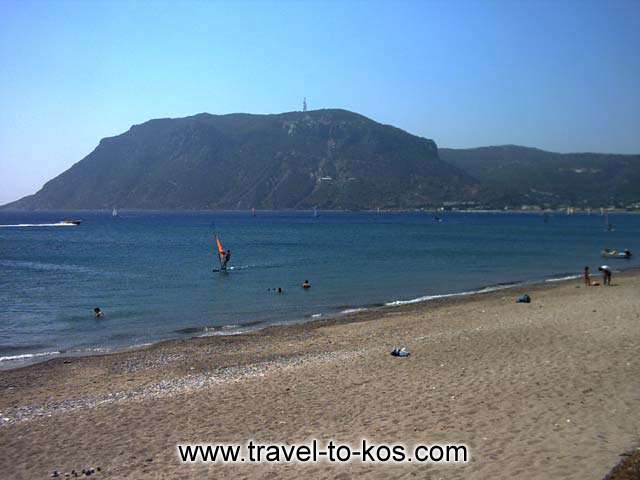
(541, 390)
(425, 210)
(23, 360)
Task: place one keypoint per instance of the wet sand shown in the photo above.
(543, 390)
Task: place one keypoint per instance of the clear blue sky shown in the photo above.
(563, 76)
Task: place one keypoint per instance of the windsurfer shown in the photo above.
(224, 259)
(223, 256)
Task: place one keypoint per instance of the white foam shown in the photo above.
(25, 356)
(221, 333)
(353, 310)
(91, 350)
(426, 298)
(562, 279)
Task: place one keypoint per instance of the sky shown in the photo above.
(558, 75)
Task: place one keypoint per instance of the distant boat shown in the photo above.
(71, 222)
(609, 253)
(114, 212)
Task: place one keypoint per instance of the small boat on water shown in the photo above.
(611, 253)
(71, 222)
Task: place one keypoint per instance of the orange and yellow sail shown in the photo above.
(219, 244)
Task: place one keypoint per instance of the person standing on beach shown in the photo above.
(606, 275)
(587, 277)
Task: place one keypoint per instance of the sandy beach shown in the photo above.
(543, 390)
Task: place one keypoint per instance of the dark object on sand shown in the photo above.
(627, 469)
(400, 352)
(523, 299)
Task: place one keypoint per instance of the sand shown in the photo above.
(544, 390)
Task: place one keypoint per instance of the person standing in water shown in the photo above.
(225, 259)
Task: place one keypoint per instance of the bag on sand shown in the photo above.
(523, 299)
(400, 352)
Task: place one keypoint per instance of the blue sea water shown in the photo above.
(151, 272)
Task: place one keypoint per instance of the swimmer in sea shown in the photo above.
(306, 285)
(97, 312)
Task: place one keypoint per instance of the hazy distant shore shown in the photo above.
(425, 210)
(542, 390)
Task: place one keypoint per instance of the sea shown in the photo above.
(151, 272)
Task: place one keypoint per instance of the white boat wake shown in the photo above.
(59, 224)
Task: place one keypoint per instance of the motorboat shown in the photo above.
(611, 253)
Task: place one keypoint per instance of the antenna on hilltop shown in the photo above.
(304, 104)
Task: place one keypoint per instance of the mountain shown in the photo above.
(513, 176)
(326, 158)
(333, 159)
